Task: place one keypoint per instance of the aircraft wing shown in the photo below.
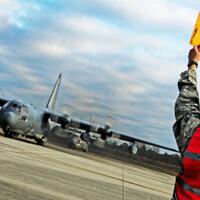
(66, 121)
(127, 138)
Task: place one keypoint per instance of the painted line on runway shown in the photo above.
(40, 156)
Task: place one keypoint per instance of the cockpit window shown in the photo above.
(15, 106)
(6, 105)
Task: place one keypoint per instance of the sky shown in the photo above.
(119, 58)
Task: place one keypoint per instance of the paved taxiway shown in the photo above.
(29, 171)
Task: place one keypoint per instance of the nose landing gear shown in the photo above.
(8, 133)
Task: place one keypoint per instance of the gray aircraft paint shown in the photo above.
(17, 117)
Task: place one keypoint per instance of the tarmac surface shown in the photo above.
(32, 172)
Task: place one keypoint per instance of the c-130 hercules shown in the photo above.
(19, 118)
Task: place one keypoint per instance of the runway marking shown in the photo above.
(37, 154)
(94, 157)
(50, 160)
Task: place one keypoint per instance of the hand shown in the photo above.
(194, 54)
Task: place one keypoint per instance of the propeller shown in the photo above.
(99, 143)
(105, 131)
(85, 136)
(67, 109)
(110, 120)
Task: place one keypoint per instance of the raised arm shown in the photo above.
(187, 111)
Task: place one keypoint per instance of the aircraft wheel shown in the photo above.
(70, 146)
(40, 141)
(8, 134)
(85, 150)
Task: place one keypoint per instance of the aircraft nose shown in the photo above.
(9, 118)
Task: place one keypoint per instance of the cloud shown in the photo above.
(155, 13)
(121, 62)
(7, 9)
(51, 49)
(79, 35)
(13, 13)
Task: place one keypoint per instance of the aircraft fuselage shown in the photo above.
(23, 119)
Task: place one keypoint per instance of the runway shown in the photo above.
(33, 172)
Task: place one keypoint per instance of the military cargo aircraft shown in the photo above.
(19, 118)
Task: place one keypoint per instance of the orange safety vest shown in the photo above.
(187, 185)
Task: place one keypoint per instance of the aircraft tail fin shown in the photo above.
(52, 99)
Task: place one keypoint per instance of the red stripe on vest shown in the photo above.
(191, 169)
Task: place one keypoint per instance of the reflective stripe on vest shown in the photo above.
(187, 187)
(193, 156)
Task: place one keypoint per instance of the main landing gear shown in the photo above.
(8, 133)
(41, 141)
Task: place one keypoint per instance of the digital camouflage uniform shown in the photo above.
(187, 115)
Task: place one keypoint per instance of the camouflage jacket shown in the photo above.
(187, 110)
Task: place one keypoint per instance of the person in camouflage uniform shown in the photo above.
(187, 131)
